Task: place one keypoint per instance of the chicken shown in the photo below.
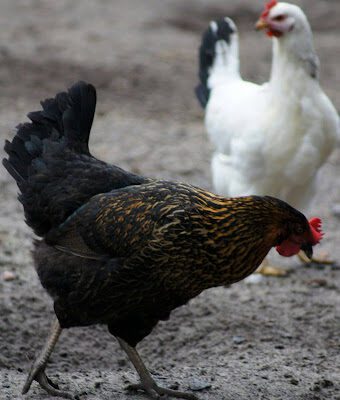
(269, 139)
(124, 250)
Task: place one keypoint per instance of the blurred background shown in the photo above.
(277, 339)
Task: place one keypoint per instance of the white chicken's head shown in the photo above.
(279, 19)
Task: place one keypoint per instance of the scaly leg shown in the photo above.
(147, 382)
(37, 371)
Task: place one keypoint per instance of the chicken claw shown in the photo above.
(156, 392)
(39, 375)
(37, 371)
(147, 382)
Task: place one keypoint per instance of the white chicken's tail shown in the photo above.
(218, 57)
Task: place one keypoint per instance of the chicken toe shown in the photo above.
(46, 383)
(156, 392)
(147, 382)
(37, 371)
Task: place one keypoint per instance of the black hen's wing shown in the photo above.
(125, 222)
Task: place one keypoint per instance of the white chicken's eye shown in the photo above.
(279, 18)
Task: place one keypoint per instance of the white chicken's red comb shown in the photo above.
(315, 227)
(268, 7)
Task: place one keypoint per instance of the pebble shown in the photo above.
(8, 276)
(317, 282)
(323, 383)
(336, 209)
(121, 362)
(199, 384)
(254, 278)
(239, 339)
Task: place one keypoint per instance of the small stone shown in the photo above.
(316, 387)
(317, 282)
(326, 383)
(254, 279)
(294, 381)
(121, 362)
(238, 339)
(8, 276)
(97, 385)
(336, 209)
(174, 386)
(198, 384)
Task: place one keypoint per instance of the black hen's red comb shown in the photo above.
(268, 7)
(315, 227)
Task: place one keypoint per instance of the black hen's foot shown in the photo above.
(148, 384)
(37, 371)
(38, 374)
(156, 392)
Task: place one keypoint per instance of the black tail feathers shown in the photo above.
(65, 119)
(218, 30)
(38, 154)
(80, 106)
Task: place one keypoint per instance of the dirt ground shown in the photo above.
(277, 339)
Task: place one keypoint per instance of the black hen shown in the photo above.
(123, 250)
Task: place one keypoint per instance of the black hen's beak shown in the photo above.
(308, 250)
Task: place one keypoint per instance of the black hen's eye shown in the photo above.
(299, 230)
(279, 18)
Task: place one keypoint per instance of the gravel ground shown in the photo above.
(275, 339)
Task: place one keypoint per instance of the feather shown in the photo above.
(271, 138)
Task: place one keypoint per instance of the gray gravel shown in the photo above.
(277, 339)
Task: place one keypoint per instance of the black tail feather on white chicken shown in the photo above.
(219, 45)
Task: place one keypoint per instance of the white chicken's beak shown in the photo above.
(261, 24)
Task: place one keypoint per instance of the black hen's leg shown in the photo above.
(37, 371)
(147, 382)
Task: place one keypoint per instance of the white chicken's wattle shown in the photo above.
(269, 139)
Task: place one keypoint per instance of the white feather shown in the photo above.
(270, 139)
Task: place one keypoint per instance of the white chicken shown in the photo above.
(269, 139)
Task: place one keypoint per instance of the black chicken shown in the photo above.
(124, 250)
